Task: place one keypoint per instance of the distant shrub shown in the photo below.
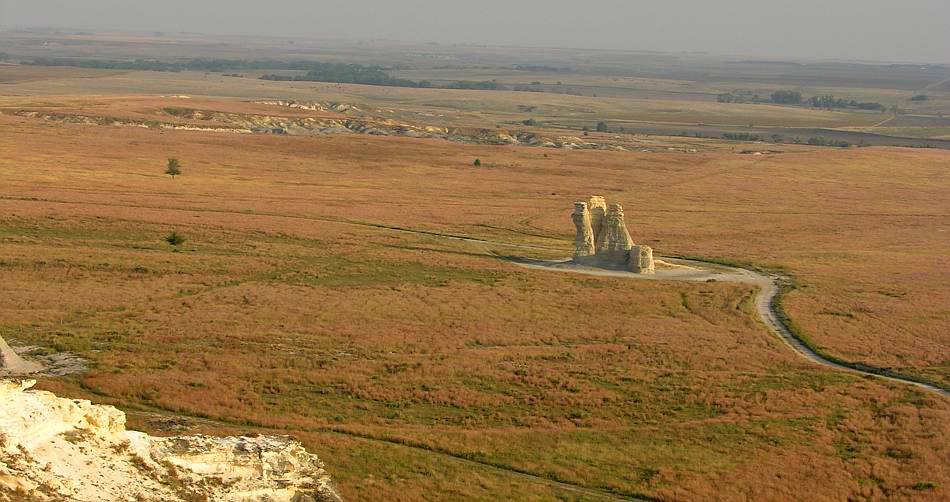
(741, 136)
(920, 97)
(530, 122)
(738, 96)
(787, 97)
(174, 168)
(179, 112)
(485, 85)
(602, 127)
(924, 485)
(822, 141)
(175, 239)
(829, 101)
(541, 68)
(477, 163)
(528, 88)
(870, 105)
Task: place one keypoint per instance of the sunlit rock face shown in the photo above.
(598, 211)
(584, 240)
(612, 246)
(641, 260)
(63, 449)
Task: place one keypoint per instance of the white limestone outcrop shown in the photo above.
(598, 212)
(584, 240)
(63, 449)
(641, 260)
(612, 245)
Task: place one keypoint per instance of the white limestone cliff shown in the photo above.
(54, 449)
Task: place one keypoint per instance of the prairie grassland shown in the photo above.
(690, 90)
(444, 106)
(402, 357)
(11, 74)
(150, 107)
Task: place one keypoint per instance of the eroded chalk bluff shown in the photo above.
(602, 239)
(64, 449)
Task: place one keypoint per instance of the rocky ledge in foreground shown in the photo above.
(63, 449)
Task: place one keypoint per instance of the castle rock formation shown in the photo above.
(602, 238)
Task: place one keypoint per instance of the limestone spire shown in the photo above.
(614, 243)
(641, 260)
(584, 240)
(598, 211)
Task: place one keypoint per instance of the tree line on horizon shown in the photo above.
(790, 97)
(316, 71)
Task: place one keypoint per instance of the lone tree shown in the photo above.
(602, 127)
(477, 163)
(174, 168)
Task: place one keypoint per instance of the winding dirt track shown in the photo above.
(698, 271)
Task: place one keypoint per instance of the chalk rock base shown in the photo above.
(641, 260)
(63, 449)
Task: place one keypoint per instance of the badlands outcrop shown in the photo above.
(63, 449)
(602, 239)
(187, 119)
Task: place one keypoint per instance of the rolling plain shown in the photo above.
(357, 290)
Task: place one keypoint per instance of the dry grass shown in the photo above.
(441, 106)
(284, 309)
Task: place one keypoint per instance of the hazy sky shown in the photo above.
(890, 30)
